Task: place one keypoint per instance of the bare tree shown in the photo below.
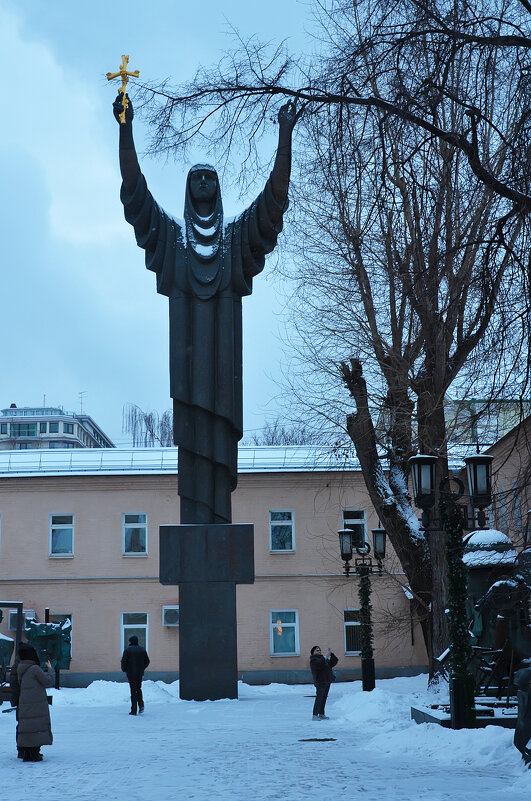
(147, 429)
(229, 103)
(276, 432)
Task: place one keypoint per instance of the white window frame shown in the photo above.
(53, 527)
(27, 614)
(125, 627)
(133, 554)
(348, 624)
(290, 523)
(273, 623)
(359, 519)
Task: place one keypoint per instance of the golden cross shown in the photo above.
(124, 75)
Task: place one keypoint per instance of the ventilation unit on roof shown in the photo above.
(170, 615)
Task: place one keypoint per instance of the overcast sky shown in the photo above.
(80, 313)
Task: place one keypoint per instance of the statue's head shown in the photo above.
(203, 189)
(203, 219)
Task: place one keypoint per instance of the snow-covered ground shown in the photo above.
(257, 748)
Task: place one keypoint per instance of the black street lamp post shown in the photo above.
(427, 496)
(350, 540)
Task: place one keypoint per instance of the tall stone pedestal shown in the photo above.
(207, 561)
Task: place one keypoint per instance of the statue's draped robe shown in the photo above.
(205, 284)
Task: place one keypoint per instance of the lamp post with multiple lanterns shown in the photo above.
(449, 519)
(353, 540)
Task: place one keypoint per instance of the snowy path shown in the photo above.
(251, 749)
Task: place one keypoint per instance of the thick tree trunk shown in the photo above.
(391, 501)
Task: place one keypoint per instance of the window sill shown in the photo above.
(60, 556)
(282, 552)
(135, 555)
(280, 656)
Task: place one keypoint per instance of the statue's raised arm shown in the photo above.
(129, 166)
(280, 175)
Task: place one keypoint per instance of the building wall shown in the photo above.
(511, 482)
(98, 583)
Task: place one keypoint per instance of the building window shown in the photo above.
(68, 428)
(23, 429)
(43, 427)
(518, 525)
(284, 632)
(502, 511)
(281, 531)
(355, 520)
(134, 623)
(61, 535)
(134, 534)
(352, 628)
(54, 428)
(3, 428)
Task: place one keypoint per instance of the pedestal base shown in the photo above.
(207, 561)
(208, 661)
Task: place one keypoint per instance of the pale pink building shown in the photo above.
(79, 536)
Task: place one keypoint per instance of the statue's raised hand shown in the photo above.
(118, 108)
(288, 115)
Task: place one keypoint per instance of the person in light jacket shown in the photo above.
(34, 725)
(134, 661)
(321, 667)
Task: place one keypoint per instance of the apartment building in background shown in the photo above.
(30, 428)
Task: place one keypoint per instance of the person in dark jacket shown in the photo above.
(33, 713)
(321, 667)
(134, 661)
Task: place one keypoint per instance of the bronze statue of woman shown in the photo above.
(205, 265)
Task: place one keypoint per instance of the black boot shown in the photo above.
(32, 755)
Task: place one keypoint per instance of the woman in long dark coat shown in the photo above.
(323, 676)
(34, 725)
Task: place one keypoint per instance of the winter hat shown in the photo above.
(133, 640)
(27, 651)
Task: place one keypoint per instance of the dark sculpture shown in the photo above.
(508, 601)
(522, 734)
(205, 266)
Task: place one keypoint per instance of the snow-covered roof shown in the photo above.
(118, 461)
(488, 548)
